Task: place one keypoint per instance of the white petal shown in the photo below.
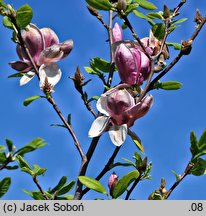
(98, 126)
(118, 134)
(26, 78)
(52, 72)
(101, 104)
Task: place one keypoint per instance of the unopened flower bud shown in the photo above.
(133, 65)
(113, 179)
(122, 5)
(117, 33)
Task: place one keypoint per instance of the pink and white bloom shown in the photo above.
(45, 49)
(120, 110)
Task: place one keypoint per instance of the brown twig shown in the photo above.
(186, 172)
(178, 7)
(144, 92)
(195, 34)
(179, 56)
(88, 106)
(105, 169)
(40, 188)
(83, 168)
(112, 64)
(127, 22)
(4, 165)
(167, 25)
(95, 13)
(133, 187)
(68, 126)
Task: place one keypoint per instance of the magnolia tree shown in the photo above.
(127, 82)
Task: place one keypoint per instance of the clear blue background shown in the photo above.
(164, 130)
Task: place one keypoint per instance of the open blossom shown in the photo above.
(45, 49)
(120, 112)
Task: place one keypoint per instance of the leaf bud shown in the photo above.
(143, 166)
(186, 47)
(166, 13)
(198, 17)
(122, 5)
(92, 11)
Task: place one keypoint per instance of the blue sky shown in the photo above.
(164, 130)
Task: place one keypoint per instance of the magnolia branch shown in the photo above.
(179, 56)
(133, 187)
(4, 165)
(178, 7)
(95, 13)
(49, 98)
(186, 172)
(78, 192)
(112, 64)
(40, 188)
(68, 126)
(105, 169)
(84, 165)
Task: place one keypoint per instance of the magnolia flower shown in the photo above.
(132, 63)
(120, 112)
(45, 49)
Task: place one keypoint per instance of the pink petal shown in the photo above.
(118, 102)
(138, 110)
(55, 53)
(145, 66)
(128, 63)
(22, 66)
(50, 37)
(50, 54)
(66, 47)
(34, 42)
